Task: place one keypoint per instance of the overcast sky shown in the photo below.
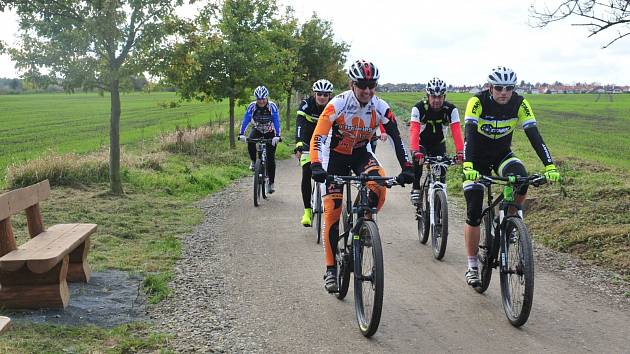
(458, 41)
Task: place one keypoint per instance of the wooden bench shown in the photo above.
(34, 274)
(5, 324)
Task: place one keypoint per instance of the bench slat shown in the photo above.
(17, 200)
(48, 248)
(5, 324)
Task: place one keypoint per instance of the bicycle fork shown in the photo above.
(356, 252)
(504, 239)
(432, 188)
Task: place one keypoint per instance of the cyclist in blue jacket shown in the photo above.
(265, 121)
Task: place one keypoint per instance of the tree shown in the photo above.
(305, 55)
(92, 44)
(597, 16)
(225, 54)
(283, 33)
(319, 55)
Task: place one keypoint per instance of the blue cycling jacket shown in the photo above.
(264, 119)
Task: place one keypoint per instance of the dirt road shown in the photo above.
(273, 273)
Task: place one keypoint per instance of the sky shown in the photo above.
(457, 41)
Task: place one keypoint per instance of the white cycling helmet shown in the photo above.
(261, 92)
(502, 76)
(323, 85)
(362, 70)
(436, 87)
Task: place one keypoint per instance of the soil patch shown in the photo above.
(110, 298)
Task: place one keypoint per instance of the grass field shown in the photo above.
(587, 138)
(33, 124)
(574, 126)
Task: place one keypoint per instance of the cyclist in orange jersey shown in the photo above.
(341, 143)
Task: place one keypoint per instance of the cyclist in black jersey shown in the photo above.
(491, 117)
(307, 116)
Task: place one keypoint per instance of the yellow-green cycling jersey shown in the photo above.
(489, 128)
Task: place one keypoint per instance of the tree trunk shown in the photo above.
(232, 140)
(114, 139)
(287, 125)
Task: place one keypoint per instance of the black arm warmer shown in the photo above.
(391, 128)
(470, 132)
(300, 123)
(539, 145)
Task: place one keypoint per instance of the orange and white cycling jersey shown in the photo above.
(345, 125)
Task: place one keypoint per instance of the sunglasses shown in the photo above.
(365, 84)
(322, 94)
(503, 87)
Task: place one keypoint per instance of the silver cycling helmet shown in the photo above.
(261, 92)
(502, 76)
(436, 87)
(323, 85)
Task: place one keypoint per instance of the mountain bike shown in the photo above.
(261, 180)
(506, 243)
(432, 207)
(359, 251)
(317, 209)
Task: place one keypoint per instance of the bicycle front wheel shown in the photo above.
(487, 251)
(517, 281)
(263, 180)
(422, 216)
(439, 231)
(257, 182)
(368, 278)
(317, 211)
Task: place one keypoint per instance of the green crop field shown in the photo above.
(33, 124)
(574, 126)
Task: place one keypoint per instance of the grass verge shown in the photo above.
(139, 232)
(44, 338)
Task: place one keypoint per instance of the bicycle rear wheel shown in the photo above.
(368, 278)
(517, 283)
(439, 231)
(256, 182)
(487, 252)
(422, 216)
(343, 256)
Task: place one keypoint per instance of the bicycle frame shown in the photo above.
(362, 204)
(261, 147)
(432, 181)
(505, 201)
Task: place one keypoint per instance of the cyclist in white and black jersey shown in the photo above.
(430, 120)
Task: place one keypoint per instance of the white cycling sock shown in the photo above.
(472, 262)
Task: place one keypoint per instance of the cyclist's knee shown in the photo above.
(473, 192)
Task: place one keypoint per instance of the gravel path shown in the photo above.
(196, 311)
(239, 290)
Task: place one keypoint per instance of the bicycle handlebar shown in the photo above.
(446, 160)
(363, 178)
(535, 180)
(260, 140)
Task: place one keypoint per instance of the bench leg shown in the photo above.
(24, 289)
(78, 268)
